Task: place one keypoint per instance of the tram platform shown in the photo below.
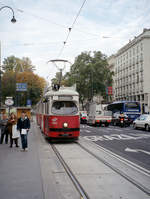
(30, 174)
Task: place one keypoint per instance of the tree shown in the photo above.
(35, 86)
(91, 74)
(15, 64)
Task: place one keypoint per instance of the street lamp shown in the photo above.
(13, 20)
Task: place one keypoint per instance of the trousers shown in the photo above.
(24, 141)
(13, 140)
(4, 133)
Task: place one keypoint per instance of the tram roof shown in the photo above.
(62, 91)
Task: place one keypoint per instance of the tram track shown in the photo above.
(78, 186)
(118, 171)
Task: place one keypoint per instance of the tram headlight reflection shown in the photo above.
(65, 125)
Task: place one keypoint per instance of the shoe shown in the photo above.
(26, 149)
(22, 150)
(17, 145)
(10, 146)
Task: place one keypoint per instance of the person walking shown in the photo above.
(4, 129)
(23, 125)
(12, 121)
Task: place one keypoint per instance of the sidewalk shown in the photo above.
(22, 174)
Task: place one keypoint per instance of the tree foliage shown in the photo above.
(91, 74)
(13, 74)
(15, 64)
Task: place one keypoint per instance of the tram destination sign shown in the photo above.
(21, 86)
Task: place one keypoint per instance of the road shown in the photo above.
(131, 144)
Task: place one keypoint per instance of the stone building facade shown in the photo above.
(132, 71)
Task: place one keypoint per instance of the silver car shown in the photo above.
(142, 122)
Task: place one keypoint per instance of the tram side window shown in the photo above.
(47, 108)
(64, 108)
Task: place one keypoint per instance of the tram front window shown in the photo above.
(64, 108)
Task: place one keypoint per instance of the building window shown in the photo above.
(141, 46)
(133, 51)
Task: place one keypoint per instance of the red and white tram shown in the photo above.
(58, 113)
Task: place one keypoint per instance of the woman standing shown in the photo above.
(11, 122)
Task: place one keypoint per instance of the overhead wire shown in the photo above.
(52, 22)
(70, 29)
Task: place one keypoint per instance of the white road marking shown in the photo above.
(87, 131)
(137, 150)
(127, 162)
(116, 137)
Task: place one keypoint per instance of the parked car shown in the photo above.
(142, 122)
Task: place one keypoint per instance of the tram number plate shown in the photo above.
(65, 135)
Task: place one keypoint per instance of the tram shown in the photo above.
(57, 113)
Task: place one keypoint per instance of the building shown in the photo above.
(132, 71)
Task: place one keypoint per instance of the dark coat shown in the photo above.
(23, 123)
(3, 124)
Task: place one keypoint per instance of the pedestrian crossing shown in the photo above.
(88, 129)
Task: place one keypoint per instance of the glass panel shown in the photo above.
(64, 108)
(132, 105)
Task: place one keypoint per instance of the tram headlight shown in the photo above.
(65, 125)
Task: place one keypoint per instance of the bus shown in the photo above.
(130, 108)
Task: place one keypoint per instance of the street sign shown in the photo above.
(9, 102)
(28, 102)
(21, 86)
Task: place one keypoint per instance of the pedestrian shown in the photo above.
(12, 121)
(4, 129)
(23, 125)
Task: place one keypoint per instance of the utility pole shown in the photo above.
(0, 80)
(13, 20)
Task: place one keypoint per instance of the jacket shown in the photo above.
(10, 123)
(23, 123)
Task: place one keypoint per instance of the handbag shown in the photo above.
(15, 132)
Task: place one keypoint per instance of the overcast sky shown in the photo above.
(42, 27)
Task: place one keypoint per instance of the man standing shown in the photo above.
(4, 131)
(23, 125)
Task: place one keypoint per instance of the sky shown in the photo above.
(42, 27)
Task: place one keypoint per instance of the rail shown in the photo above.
(128, 178)
(78, 186)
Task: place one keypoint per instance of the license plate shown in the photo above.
(65, 135)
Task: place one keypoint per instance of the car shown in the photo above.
(142, 122)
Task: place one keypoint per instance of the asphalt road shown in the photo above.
(134, 145)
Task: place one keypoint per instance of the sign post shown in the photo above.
(21, 86)
(9, 102)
